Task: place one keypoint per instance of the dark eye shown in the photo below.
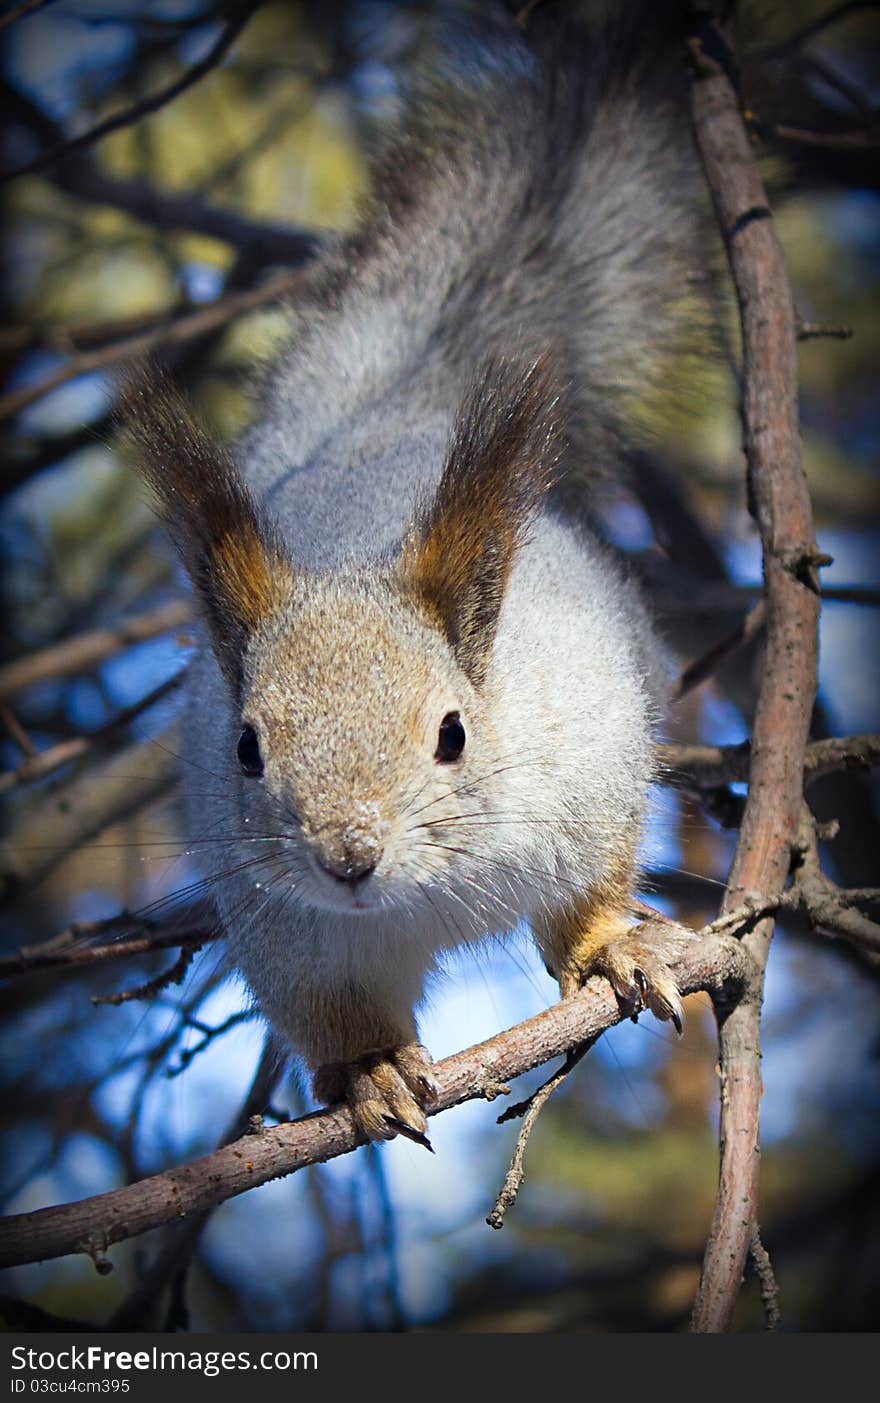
(450, 743)
(249, 756)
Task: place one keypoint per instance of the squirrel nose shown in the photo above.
(352, 867)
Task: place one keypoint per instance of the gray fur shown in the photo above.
(537, 201)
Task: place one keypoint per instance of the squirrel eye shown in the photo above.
(249, 756)
(450, 743)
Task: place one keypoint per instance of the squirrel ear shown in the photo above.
(502, 459)
(236, 562)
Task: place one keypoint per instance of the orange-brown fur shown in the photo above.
(237, 566)
(501, 463)
(573, 937)
(253, 580)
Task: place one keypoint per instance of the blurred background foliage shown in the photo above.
(119, 246)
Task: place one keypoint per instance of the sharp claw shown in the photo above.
(410, 1132)
(641, 979)
(676, 1021)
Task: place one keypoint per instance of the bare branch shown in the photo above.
(826, 905)
(77, 812)
(175, 974)
(708, 766)
(767, 1278)
(529, 1110)
(41, 764)
(92, 1225)
(67, 950)
(17, 731)
(168, 333)
(813, 331)
(698, 672)
(856, 140)
(87, 650)
(29, 7)
(781, 503)
(809, 31)
(239, 16)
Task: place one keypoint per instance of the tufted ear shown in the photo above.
(233, 556)
(502, 459)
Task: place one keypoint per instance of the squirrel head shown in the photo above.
(363, 697)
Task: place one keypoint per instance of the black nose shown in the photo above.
(351, 870)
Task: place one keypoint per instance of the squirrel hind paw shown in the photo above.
(385, 1091)
(638, 967)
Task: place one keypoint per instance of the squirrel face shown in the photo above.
(362, 735)
(364, 695)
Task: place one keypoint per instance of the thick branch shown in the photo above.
(92, 1225)
(781, 504)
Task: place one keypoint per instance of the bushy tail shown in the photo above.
(545, 190)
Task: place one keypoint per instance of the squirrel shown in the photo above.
(426, 691)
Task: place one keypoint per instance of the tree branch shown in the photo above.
(29, 7)
(239, 16)
(93, 1225)
(77, 812)
(168, 333)
(781, 504)
(825, 904)
(87, 650)
(708, 766)
(43, 763)
(809, 31)
(167, 210)
(66, 950)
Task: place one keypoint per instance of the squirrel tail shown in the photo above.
(545, 191)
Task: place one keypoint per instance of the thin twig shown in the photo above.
(802, 36)
(17, 731)
(175, 974)
(43, 763)
(698, 672)
(170, 332)
(244, 1015)
(708, 766)
(65, 952)
(90, 184)
(767, 1278)
(814, 331)
(854, 95)
(29, 7)
(855, 140)
(238, 17)
(529, 1110)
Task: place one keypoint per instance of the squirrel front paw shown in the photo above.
(386, 1091)
(638, 967)
(637, 960)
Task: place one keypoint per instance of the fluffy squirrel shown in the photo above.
(426, 693)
